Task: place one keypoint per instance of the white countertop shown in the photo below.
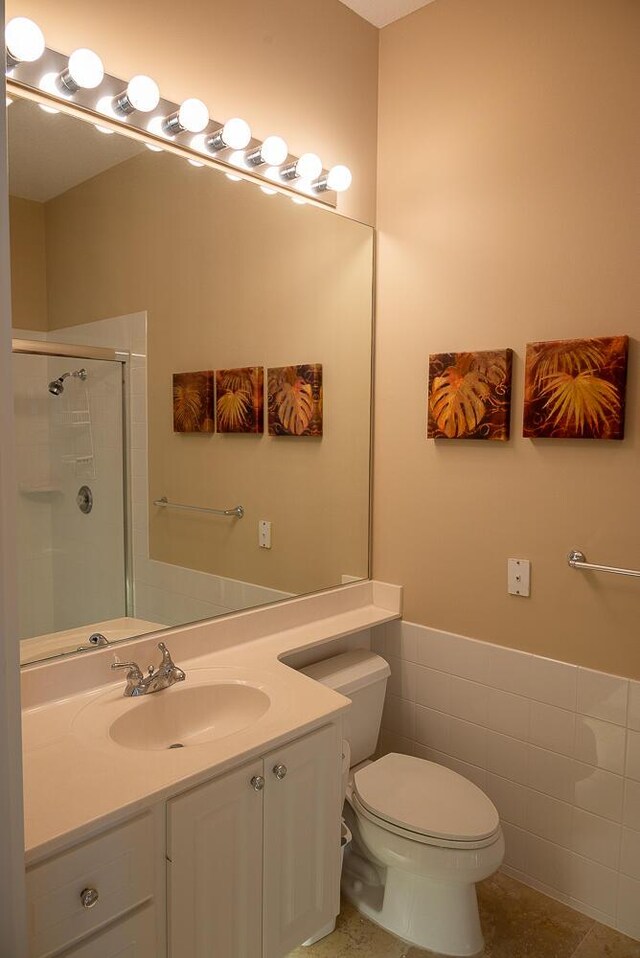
(77, 780)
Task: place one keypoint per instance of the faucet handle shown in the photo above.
(167, 661)
(134, 669)
(168, 665)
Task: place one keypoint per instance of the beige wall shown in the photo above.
(306, 70)
(28, 266)
(231, 277)
(507, 212)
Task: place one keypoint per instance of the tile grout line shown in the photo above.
(582, 940)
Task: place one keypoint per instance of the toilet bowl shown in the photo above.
(418, 851)
(423, 835)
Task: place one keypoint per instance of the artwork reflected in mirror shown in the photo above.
(193, 402)
(240, 400)
(295, 400)
(118, 253)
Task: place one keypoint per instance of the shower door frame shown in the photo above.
(37, 347)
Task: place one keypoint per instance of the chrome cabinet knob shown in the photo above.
(89, 897)
(279, 771)
(257, 783)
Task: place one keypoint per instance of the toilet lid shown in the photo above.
(426, 798)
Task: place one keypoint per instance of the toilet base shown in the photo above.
(438, 916)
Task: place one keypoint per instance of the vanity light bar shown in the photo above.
(80, 78)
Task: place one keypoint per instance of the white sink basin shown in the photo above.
(180, 717)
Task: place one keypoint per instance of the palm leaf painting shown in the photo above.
(469, 395)
(193, 402)
(574, 389)
(240, 400)
(295, 400)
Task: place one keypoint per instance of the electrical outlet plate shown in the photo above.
(519, 577)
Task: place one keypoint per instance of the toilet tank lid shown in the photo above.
(349, 671)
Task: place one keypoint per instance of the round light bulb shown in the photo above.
(268, 191)
(234, 179)
(309, 166)
(236, 133)
(274, 150)
(48, 84)
(85, 69)
(143, 93)
(105, 106)
(193, 115)
(156, 126)
(24, 39)
(339, 178)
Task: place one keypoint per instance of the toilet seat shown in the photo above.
(425, 802)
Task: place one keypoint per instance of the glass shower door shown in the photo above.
(71, 499)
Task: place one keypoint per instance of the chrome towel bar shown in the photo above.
(578, 560)
(237, 511)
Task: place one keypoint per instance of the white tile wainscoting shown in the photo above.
(556, 747)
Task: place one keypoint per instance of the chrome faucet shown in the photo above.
(155, 680)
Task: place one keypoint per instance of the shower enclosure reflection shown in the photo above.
(171, 269)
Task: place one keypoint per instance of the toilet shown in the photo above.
(423, 835)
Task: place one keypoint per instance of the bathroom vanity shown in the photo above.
(141, 849)
(249, 862)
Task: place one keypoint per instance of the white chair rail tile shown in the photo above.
(555, 746)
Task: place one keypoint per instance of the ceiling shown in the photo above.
(382, 12)
(51, 153)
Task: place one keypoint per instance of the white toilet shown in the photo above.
(422, 834)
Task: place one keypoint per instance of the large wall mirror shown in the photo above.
(185, 343)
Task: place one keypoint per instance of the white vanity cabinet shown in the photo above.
(103, 897)
(254, 856)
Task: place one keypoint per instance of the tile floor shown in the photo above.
(517, 922)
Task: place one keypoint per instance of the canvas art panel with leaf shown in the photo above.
(469, 395)
(240, 400)
(575, 388)
(193, 402)
(295, 400)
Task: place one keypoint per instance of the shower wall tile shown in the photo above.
(556, 747)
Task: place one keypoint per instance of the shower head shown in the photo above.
(56, 386)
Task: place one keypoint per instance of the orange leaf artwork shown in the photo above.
(193, 402)
(469, 395)
(240, 400)
(295, 400)
(575, 388)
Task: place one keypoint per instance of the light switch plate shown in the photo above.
(519, 577)
(264, 534)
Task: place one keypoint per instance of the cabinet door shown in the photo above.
(301, 840)
(215, 869)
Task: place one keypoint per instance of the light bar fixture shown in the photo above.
(74, 77)
(273, 150)
(24, 41)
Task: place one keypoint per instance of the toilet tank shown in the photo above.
(361, 676)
